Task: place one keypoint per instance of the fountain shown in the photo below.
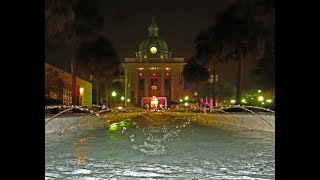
(163, 145)
(60, 123)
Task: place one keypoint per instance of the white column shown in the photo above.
(146, 83)
(162, 84)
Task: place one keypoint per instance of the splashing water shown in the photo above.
(177, 150)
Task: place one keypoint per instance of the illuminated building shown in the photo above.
(58, 85)
(153, 72)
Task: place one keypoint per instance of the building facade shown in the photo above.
(153, 72)
(58, 86)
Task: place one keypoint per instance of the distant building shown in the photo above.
(153, 72)
(58, 85)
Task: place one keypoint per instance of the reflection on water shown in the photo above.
(180, 151)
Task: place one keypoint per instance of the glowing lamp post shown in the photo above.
(81, 94)
(186, 98)
(122, 99)
(260, 98)
(81, 91)
(114, 94)
(196, 96)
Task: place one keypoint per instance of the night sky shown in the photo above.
(179, 21)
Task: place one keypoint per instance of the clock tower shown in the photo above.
(153, 72)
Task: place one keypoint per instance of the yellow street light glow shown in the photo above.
(262, 102)
(186, 104)
(122, 98)
(260, 98)
(269, 100)
(259, 91)
(233, 101)
(81, 91)
(114, 94)
(243, 100)
(181, 100)
(186, 98)
(128, 100)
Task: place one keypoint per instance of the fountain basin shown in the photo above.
(161, 146)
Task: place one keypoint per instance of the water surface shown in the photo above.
(182, 151)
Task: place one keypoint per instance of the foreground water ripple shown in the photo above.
(185, 152)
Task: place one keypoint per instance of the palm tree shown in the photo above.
(194, 73)
(101, 61)
(209, 51)
(73, 22)
(236, 35)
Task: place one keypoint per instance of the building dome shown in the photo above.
(153, 46)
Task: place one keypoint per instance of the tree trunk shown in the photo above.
(97, 89)
(74, 69)
(240, 78)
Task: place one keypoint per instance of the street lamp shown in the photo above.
(196, 95)
(186, 98)
(114, 94)
(81, 91)
(81, 94)
(122, 98)
(260, 98)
